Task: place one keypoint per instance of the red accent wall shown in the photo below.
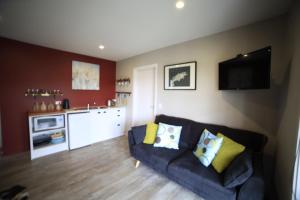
(25, 66)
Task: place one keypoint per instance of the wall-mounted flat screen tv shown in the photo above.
(248, 71)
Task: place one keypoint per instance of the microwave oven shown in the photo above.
(42, 123)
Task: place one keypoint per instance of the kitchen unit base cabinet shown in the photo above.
(100, 125)
(52, 133)
(47, 134)
(79, 129)
(107, 123)
(49, 149)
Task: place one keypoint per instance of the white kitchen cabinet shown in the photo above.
(119, 124)
(79, 129)
(95, 125)
(41, 127)
(100, 125)
(107, 123)
(107, 129)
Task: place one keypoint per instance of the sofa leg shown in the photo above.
(137, 164)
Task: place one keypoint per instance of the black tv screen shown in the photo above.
(248, 71)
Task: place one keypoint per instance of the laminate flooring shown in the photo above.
(101, 171)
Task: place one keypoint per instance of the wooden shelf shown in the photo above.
(43, 95)
(49, 132)
(129, 93)
(47, 145)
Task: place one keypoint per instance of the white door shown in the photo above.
(79, 130)
(144, 94)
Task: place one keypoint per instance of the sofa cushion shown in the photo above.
(159, 158)
(228, 151)
(207, 147)
(186, 135)
(239, 170)
(203, 180)
(191, 132)
(151, 132)
(197, 128)
(249, 139)
(167, 136)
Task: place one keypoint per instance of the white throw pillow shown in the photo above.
(207, 147)
(167, 136)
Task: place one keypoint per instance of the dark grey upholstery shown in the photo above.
(253, 188)
(183, 167)
(204, 181)
(136, 136)
(158, 157)
(239, 170)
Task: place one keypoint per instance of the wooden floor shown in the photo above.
(101, 171)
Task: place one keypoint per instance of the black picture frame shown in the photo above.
(183, 76)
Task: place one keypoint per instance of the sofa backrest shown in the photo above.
(191, 132)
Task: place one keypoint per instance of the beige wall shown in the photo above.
(289, 124)
(255, 110)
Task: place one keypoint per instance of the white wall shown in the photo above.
(255, 110)
(289, 124)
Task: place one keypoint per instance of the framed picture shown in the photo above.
(180, 76)
(85, 76)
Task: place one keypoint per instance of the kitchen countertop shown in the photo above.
(46, 113)
(72, 110)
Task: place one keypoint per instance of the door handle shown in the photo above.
(119, 115)
(99, 112)
(118, 125)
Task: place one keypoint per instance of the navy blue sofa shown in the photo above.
(184, 168)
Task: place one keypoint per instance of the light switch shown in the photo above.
(160, 106)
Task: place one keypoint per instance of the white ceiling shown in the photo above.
(126, 27)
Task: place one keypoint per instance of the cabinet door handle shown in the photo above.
(118, 110)
(119, 115)
(99, 112)
(104, 112)
(118, 125)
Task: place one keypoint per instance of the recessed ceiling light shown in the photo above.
(179, 4)
(101, 47)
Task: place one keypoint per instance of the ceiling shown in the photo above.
(126, 28)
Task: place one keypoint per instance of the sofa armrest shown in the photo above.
(253, 188)
(131, 141)
(138, 133)
(136, 136)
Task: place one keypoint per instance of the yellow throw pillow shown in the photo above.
(151, 131)
(228, 151)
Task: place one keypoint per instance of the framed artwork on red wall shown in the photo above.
(85, 76)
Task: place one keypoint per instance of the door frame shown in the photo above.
(135, 71)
